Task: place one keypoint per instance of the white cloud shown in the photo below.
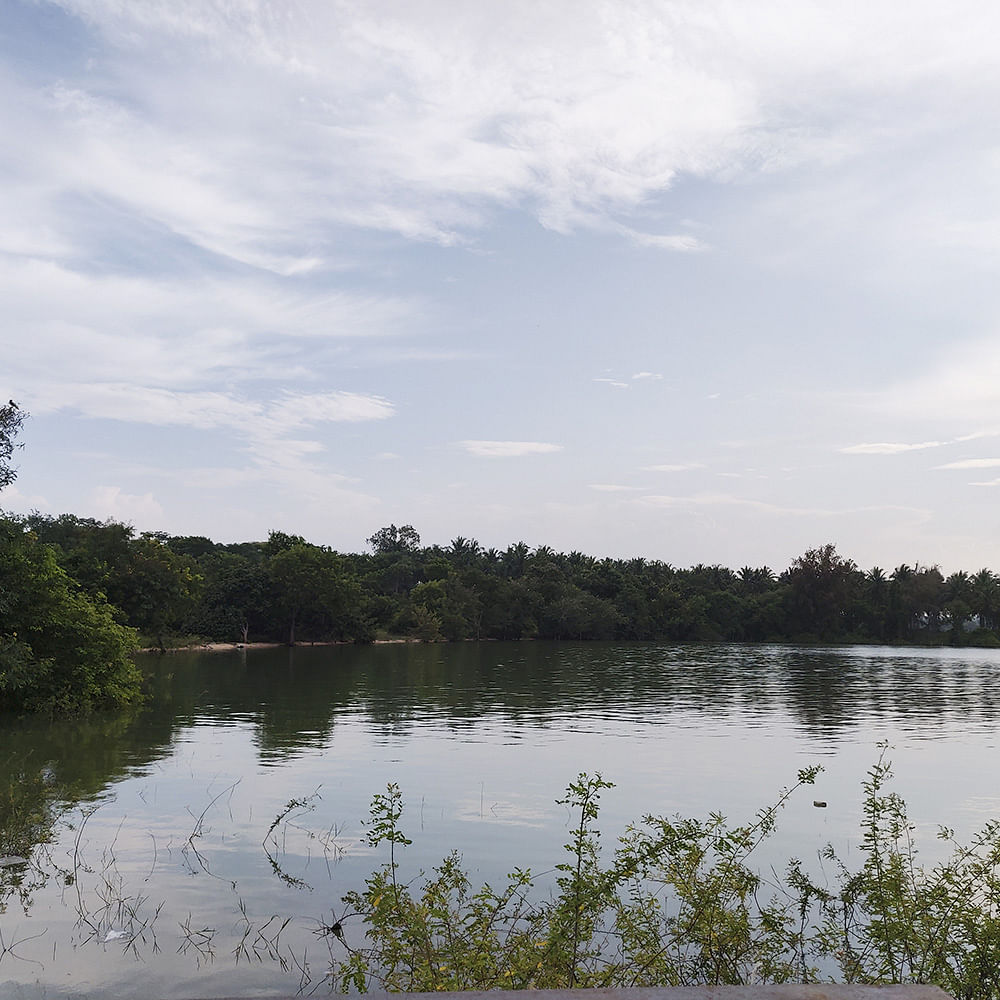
(206, 409)
(654, 376)
(678, 467)
(508, 449)
(112, 502)
(296, 409)
(888, 448)
(15, 499)
(972, 463)
(762, 507)
(614, 383)
(681, 241)
(177, 333)
(613, 488)
(419, 118)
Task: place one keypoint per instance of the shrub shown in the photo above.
(679, 903)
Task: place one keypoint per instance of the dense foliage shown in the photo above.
(286, 589)
(61, 649)
(681, 902)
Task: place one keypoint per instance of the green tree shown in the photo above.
(160, 589)
(311, 581)
(823, 588)
(393, 539)
(95, 553)
(60, 650)
(985, 593)
(11, 420)
(233, 598)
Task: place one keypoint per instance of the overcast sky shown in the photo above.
(701, 281)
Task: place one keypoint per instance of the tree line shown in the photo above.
(77, 593)
(289, 590)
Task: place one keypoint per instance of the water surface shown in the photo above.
(169, 807)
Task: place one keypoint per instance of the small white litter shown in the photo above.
(12, 859)
(113, 936)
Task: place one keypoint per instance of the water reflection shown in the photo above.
(476, 730)
(295, 696)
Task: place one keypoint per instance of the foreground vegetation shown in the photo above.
(681, 902)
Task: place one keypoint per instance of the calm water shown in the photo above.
(160, 874)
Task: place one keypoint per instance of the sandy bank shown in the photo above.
(225, 647)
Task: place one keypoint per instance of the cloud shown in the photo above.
(638, 376)
(680, 467)
(682, 242)
(972, 463)
(888, 448)
(613, 488)
(420, 120)
(423, 121)
(111, 502)
(297, 409)
(762, 507)
(615, 383)
(15, 499)
(266, 428)
(508, 449)
(208, 409)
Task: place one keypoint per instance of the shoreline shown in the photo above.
(226, 647)
(223, 647)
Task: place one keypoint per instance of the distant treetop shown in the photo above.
(393, 539)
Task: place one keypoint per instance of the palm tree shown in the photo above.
(985, 587)
(464, 551)
(515, 559)
(543, 554)
(957, 601)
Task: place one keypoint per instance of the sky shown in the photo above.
(705, 282)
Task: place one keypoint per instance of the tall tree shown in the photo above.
(985, 593)
(311, 579)
(822, 589)
(161, 588)
(393, 539)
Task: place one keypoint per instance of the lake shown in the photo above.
(237, 794)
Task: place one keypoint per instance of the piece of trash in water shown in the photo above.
(818, 804)
(12, 859)
(113, 936)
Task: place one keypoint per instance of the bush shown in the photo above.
(679, 903)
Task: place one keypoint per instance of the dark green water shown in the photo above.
(169, 807)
